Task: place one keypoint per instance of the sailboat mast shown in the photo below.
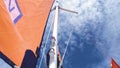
(54, 46)
(55, 22)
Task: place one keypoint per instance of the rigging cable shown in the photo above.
(45, 45)
(70, 35)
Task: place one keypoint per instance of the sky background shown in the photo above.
(95, 36)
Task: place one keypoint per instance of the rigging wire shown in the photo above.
(45, 61)
(45, 45)
(70, 35)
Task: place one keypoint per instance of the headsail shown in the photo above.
(22, 24)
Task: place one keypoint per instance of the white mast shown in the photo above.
(55, 21)
(53, 52)
(54, 47)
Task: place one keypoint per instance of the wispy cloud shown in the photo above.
(112, 29)
(101, 17)
(95, 32)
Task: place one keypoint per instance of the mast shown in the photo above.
(54, 47)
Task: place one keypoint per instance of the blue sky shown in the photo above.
(4, 64)
(95, 37)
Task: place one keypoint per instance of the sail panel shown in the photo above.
(26, 32)
(36, 17)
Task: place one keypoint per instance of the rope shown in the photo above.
(70, 35)
(45, 45)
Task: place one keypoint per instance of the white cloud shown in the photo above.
(103, 17)
(98, 11)
(112, 29)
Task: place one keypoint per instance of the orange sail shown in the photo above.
(114, 64)
(22, 24)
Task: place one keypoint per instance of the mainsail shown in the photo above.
(22, 24)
